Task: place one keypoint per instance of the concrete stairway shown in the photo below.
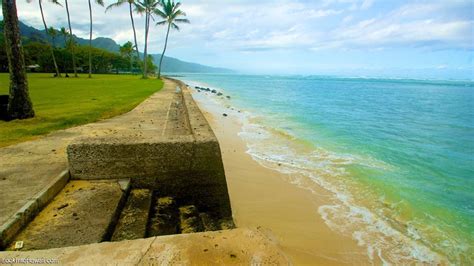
(147, 216)
(87, 212)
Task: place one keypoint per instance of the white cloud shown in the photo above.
(408, 26)
(367, 4)
(246, 25)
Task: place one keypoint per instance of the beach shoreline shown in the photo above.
(265, 198)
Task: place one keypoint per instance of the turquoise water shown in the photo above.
(406, 147)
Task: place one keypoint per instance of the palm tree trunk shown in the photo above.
(65, 57)
(164, 50)
(147, 26)
(90, 40)
(58, 74)
(72, 40)
(134, 32)
(19, 103)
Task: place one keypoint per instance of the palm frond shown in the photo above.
(160, 13)
(176, 6)
(100, 2)
(182, 20)
(174, 26)
(177, 14)
(168, 7)
(139, 8)
(163, 22)
(117, 4)
(56, 2)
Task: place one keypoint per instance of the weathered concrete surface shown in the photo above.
(178, 121)
(232, 247)
(165, 218)
(26, 169)
(82, 213)
(134, 217)
(183, 160)
(190, 222)
(15, 223)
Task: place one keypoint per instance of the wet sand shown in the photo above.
(265, 198)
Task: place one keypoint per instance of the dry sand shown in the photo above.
(265, 198)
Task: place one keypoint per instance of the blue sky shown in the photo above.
(390, 38)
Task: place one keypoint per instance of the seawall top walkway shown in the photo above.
(28, 168)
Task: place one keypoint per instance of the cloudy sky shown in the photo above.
(395, 38)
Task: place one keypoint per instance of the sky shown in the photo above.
(373, 38)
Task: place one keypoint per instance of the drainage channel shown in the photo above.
(87, 212)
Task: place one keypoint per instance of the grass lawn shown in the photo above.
(61, 103)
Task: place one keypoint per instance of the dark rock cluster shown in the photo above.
(199, 89)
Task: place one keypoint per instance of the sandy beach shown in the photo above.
(264, 198)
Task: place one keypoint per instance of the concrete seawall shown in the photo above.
(181, 158)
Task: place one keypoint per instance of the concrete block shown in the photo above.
(165, 219)
(133, 220)
(190, 222)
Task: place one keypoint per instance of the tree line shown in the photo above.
(38, 58)
(19, 104)
(167, 10)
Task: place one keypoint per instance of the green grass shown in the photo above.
(61, 103)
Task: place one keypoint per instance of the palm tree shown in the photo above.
(53, 33)
(131, 5)
(170, 15)
(19, 103)
(101, 3)
(149, 8)
(65, 35)
(40, 2)
(71, 37)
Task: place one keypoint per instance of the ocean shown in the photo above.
(397, 154)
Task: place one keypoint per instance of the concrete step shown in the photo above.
(208, 222)
(83, 212)
(190, 221)
(165, 217)
(133, 220)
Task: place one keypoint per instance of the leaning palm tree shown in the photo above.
(71, 37)
(131, 5)
(101, 3)
(19, 103)
(40, 2)
(171, 15)
(149, 8)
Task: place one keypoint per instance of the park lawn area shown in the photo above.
(61, 103)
